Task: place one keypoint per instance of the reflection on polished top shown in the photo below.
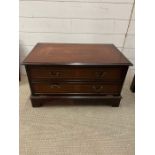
(76, 54)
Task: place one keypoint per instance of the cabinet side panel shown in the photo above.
(27, 68)
(124, 73)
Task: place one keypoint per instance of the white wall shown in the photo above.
(78, 21)
(129, 43)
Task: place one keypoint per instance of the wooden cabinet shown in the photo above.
(76, 71)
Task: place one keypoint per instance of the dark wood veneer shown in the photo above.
(81, 100)
(76, 54)
(75, 87)
(76, 71)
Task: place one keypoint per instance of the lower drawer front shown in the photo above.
(56, 88)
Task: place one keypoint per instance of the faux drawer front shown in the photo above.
(106, 74)
(48, 88)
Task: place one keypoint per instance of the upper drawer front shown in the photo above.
(57, 88)
(75, 73)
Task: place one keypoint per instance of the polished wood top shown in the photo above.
(75, 54)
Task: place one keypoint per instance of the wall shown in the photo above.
(77, 21)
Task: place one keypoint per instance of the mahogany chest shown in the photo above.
(76, 71)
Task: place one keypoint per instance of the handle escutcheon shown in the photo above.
(54, 74)
(97, 88)
(55, 86)
(100, 74)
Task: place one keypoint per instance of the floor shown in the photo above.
(77, 130)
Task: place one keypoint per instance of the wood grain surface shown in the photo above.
(76, 54)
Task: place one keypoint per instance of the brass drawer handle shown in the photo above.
(100, 74)
(55, 86)
(97, 88)
(56, 74)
